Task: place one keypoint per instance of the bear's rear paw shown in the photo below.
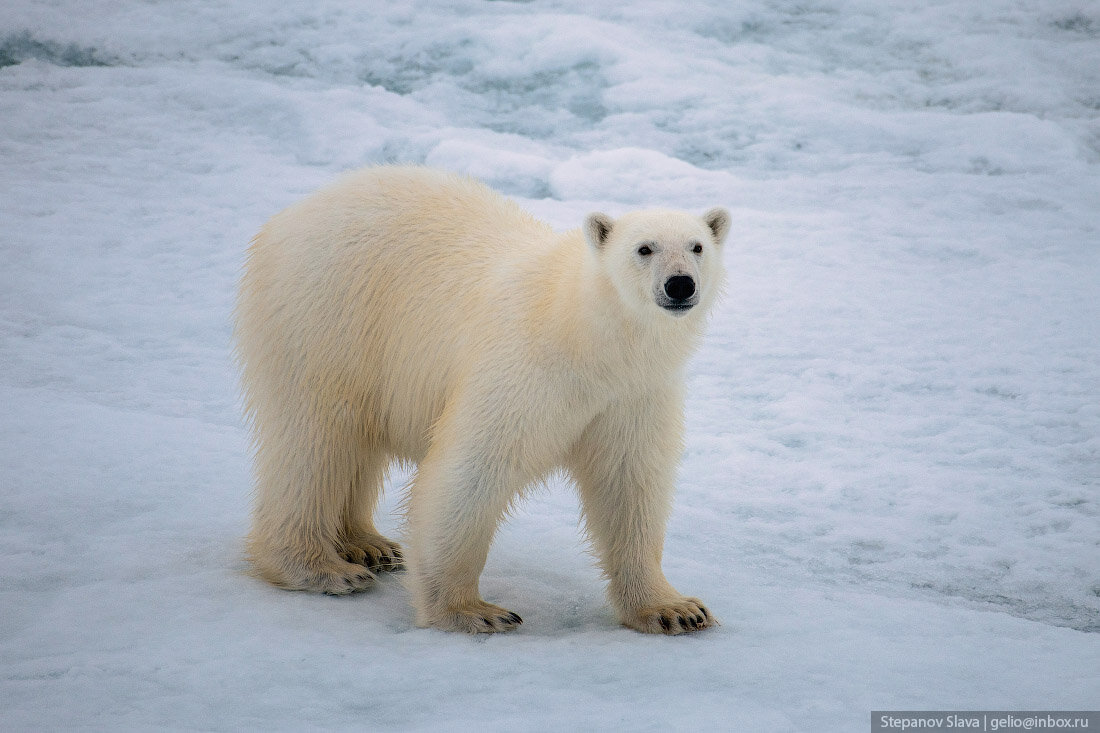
(339, 581)
(478, 617)
(677, 617)
(374, 551)
(319, 571)
(334, 579)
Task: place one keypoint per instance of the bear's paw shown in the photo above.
(477, 617)
(337, 580)
(374, 551)
(677, 617)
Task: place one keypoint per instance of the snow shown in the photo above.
(890, 489)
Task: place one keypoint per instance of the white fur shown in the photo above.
(407, 314)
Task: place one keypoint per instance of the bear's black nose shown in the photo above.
(680, 287)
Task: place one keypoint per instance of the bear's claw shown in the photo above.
(375, 552)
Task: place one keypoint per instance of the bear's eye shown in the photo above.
(697, 249)
(645, 251)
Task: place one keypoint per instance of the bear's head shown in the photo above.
(667, 260)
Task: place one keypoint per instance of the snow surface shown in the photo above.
(890, 490)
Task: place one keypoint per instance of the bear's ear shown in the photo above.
(718, 220)
(597, 228)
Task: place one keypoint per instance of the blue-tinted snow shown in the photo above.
(890, 490)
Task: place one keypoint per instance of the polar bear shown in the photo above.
(405, 314)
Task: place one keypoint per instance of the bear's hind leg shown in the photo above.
(361, 542)
(305, 463)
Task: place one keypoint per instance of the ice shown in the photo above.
(889, 489)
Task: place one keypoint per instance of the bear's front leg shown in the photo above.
(458, 498)
(625, 465)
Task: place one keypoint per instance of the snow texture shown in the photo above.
(890, 488)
